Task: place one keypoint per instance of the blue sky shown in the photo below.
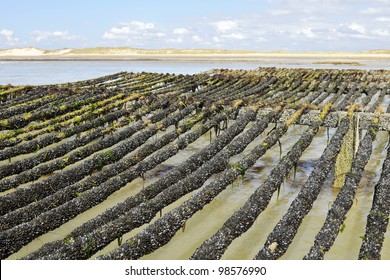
(263, 25)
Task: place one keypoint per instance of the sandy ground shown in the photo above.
(342, 60)
(188, 55)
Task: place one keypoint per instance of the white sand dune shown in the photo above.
(22, 52)
(30, 51)
(187, 54)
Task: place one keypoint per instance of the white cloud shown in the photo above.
(8, 36)
(216, 39)
(117, 32)
(308, 32)
(347, 30)
(235, 35)
(180, 31)
(383, 19)
(39, 36)
(261, 39)
(308, 6)
(161, 34)
(370, 11)
(139, 34)
(196, 38)
(279, 12)
(377, 11)
(176, 41)
(225, 25)
(125, 30)
(381, 32)
(142, 26)
(6, 33)
(277, 24)
(361, 36)
(357, 27)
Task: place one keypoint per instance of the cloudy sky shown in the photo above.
(263, 25)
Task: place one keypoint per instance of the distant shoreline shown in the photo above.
(62, 69)
(109, 58)
(206, 58)
(359, 60)
(202, 55)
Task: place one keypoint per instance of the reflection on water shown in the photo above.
(49, 72)
(207, 221)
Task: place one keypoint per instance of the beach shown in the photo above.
(189, 55)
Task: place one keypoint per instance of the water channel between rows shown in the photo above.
(207, 221)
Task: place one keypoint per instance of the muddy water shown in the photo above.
(206, 222)
(129, 190)
(51, 72)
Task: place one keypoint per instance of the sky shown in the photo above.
(260, 25)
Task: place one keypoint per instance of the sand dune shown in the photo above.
(188, 54)
(22, 52)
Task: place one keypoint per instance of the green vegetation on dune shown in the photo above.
(130, 51)
(123, 51)
(101, 50)
(377, 52)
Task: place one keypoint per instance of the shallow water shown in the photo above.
(130, 189)
(207, 221)
(50, 72)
